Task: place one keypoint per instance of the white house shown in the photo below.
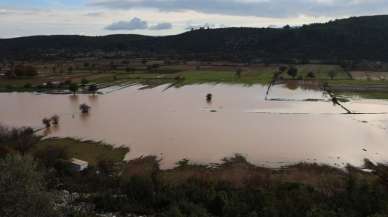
(79, 165)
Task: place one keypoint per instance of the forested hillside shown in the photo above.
(346, 39)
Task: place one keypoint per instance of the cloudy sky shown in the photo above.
(164, 17)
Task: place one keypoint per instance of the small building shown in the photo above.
(79, 165)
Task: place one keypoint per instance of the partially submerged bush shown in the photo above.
(84, 108)
(46, 122)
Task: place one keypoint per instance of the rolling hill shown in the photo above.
(346, 39)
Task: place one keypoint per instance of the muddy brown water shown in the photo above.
(179, 123)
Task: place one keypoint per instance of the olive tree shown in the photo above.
(22, 189)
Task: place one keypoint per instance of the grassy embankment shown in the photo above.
(182, 74)
(235, 170)
(147, 78)
(89, 151)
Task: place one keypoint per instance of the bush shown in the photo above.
(22, 189)
(19, 139)
(293, 72)
(50, 156)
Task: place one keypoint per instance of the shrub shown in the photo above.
(22, 189)
(293, 72)
(51, 155)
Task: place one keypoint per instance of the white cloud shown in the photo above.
(259, 8)
(95, 14)
(138, 24)
(92, 21)
(134, 24)
(161, 26)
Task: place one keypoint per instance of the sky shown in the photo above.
(167, 17)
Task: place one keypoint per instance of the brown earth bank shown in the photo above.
(240, 173)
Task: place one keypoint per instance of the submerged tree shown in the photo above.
(209, 97)
(84, 108)
(46, 122)
(55, 120)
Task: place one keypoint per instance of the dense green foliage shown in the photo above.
(146, 196)
(353, 38)
(22, 189)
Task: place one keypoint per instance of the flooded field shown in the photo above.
(293, 125)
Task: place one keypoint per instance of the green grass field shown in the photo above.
(89, 151)
(181, 75)
(247, 77)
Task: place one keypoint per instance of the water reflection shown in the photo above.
(50, 130)
(177, 123)
(93, 99)
(74, 100)
(293, 85)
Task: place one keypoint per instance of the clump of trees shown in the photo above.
(18, 139)
(292, 71)
(46, 122)
(54, 120)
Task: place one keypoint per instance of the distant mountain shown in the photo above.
(346, 39)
